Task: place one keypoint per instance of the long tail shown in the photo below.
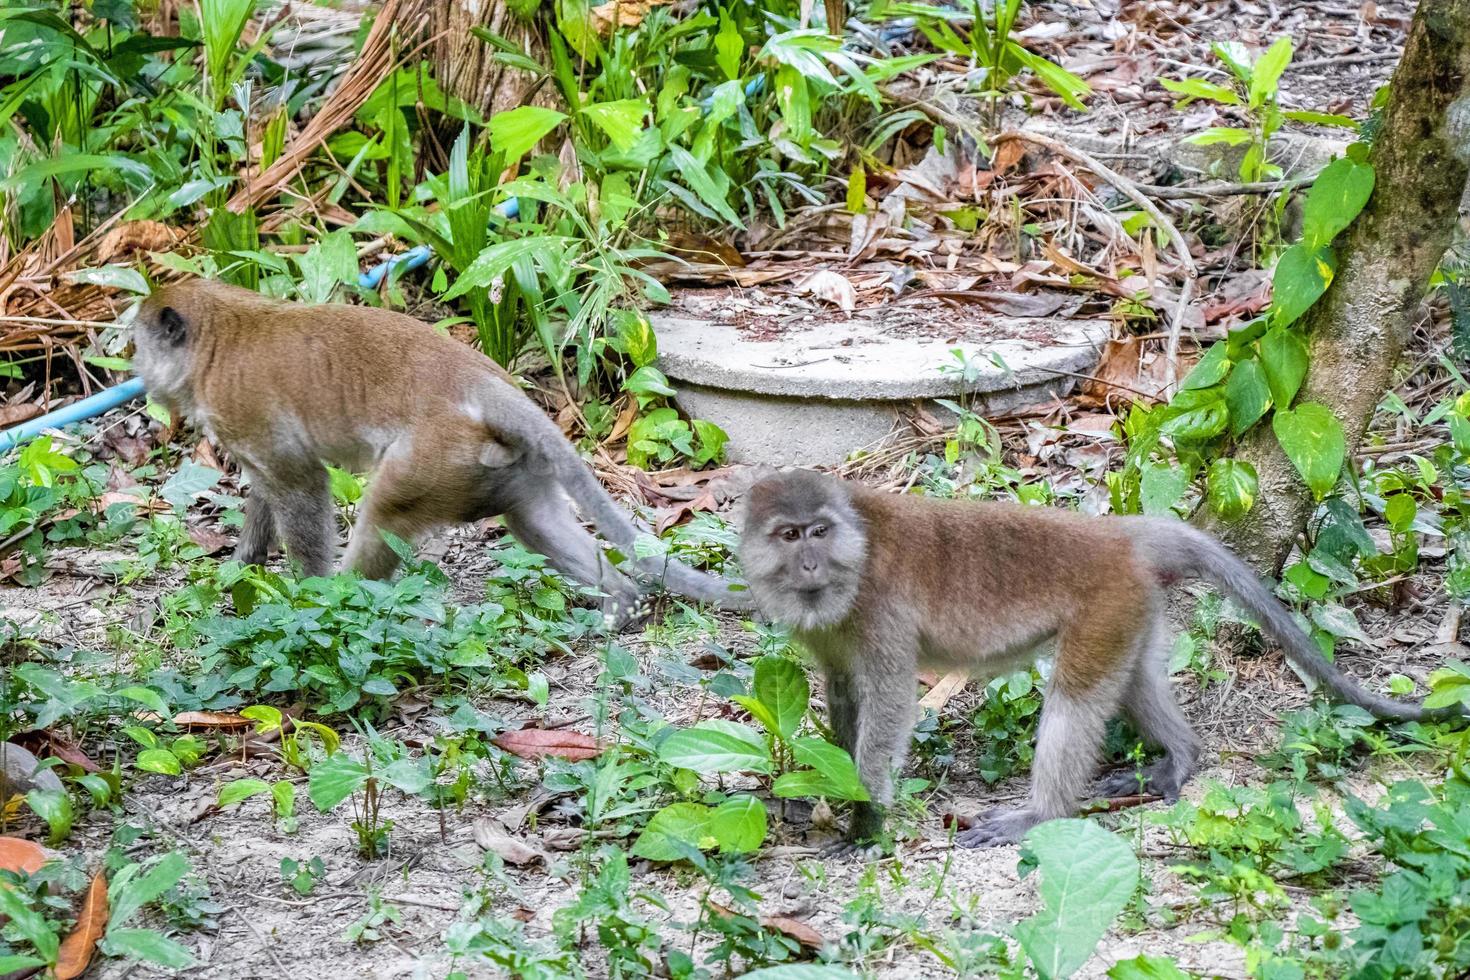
(577, 479)
(1181, 551)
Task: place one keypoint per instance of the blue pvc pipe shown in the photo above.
(107, 398)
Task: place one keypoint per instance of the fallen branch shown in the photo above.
(1226, 190)
(1132, 191)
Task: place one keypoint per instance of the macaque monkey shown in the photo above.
(878, 585)
(450, 436)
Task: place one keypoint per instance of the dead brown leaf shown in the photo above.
(830, 287)
(537, 743)
(210, 540)
(205, 455)
(1124, 373)
(43, 742)
(17, 412)
(1007, 155)
(512, 850)
(805, 936)
(76, 949)
(142, 236)
(211, 719)
(622, 13)
(21, 856)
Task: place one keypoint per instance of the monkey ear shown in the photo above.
(171, 324)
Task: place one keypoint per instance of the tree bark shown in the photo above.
(465, 66)
(1357, 331)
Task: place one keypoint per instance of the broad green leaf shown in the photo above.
(834, 764)
(408, 775)
(1266, 72)
(147, 697)
(1210, 369)
(20, 919)
(54, 807)
(147, 944)
(729, 46)
(1302, 275)
(1220, 134)
(687, 822)
(622, 120)
(514, 131)
(241, 789)
(1196, 415)
(1087, 877)
(1161, 486)
(494, 261)
(759, 711)
(326, 266)
(708, 189)
(159, 760)
(113, 277)
(1339, 621)
(1337, 196)
(1321, 118)
(1231, 487)
(781, 685)
(1070, 87)
(1313, 440)
(1198, 88)
(1284, 360)
(189, 481)
(1147, 968)
(334, 779)
(716, 746)
(69, 163)
(137, 885)
(738, 825)
(21, 965)
(1248, 395)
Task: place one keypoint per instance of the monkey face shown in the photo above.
(161, 349)
(803, 549)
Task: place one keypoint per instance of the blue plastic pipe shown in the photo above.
(110, 398)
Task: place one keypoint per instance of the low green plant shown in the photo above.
(302, 876)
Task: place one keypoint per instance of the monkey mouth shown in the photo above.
(811, 596)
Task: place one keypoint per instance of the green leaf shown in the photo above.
(1337, 196)
(716, 746)
(781, 685)
(835, 765)
(54, 807)
(1087, 877)
(129, 892)
(1196, 415)
(1147, 968)
(514, 131)
(1070, 87)
(687, 822)
(729, 46)
(1220, 134)
(1210, 369)
(758, 710)
(1321, 118)
(113, 277)
(159, 760)
(710, 190)
(35, 173)
(622, 120)
(147, 944)
(1231, 487)
(739, 825)
(15, 964)
(1302, 275)
(1161, 486)
(1248, 394)
(1284, 360)
(147, 697)
(410, 776)
(327, 265)
(334, 779)
(189, 481)
(241, 789)
(1314, 442)
(1266, 72)
(1198, 88)
(25, 921)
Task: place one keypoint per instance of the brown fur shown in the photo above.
(878, 585)
(451, 438)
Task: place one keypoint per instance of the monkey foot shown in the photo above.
(995, 828)
(846, 850)
(1131, 782)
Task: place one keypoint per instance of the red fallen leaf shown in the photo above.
(21, 855)
(522, 914)
(537, 743)
(211, 719)
(76, 949)
(42, 743)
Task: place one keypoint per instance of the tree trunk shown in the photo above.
(465, 66)
(1357, 331)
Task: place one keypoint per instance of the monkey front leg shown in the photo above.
(259, 534)
(872, 707)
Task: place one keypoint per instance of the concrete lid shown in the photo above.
(856, 357)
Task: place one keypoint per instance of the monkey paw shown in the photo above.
(1130, 782)
(998, 827)
(846, 850)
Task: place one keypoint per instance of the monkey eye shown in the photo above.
(790, 534)
(819, 530)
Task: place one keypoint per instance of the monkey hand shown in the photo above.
(864, 835)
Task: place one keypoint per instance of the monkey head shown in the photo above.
(803, 547)
(165, 329)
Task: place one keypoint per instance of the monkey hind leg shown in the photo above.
(546, 525)
(260, 532)
(394, 504)
(1150, 706)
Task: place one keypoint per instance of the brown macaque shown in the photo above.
(448, 434)
(879, 585)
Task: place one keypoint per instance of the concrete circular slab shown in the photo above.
(811, 389)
